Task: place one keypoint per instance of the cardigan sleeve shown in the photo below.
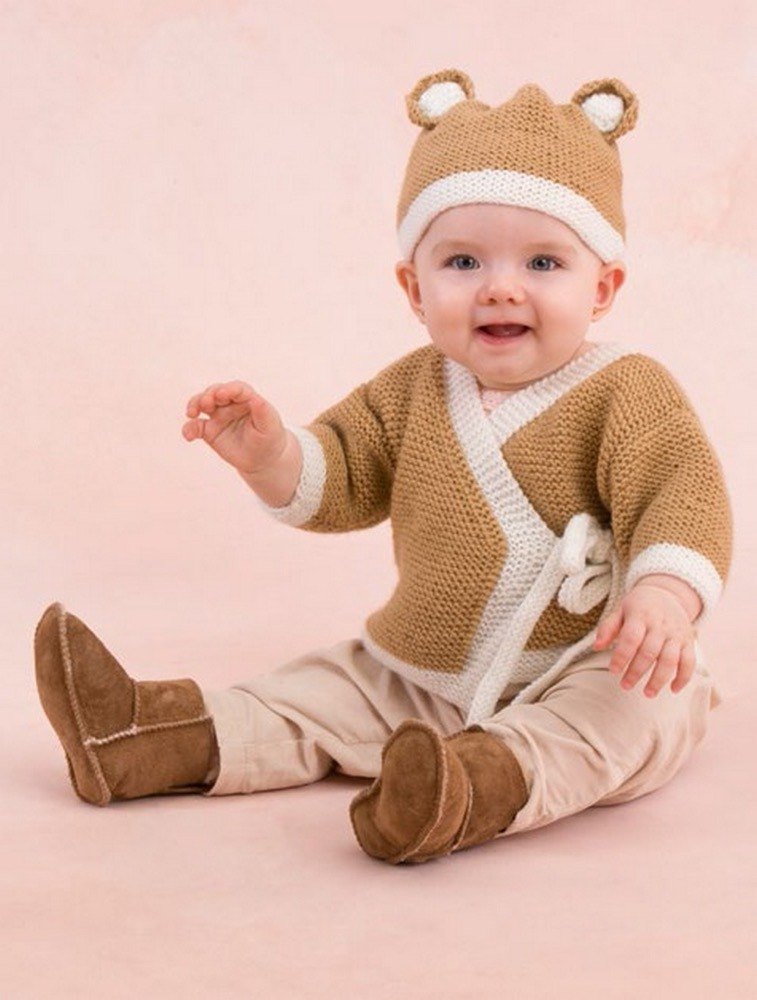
(348, 467)
(669, 506)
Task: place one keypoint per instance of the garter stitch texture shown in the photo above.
(560, 159)
(514, 531)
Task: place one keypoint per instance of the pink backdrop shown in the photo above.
(196, 192)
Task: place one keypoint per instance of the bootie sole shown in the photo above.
(423, 788)
(57, 693)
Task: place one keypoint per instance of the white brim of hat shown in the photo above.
(510, 187)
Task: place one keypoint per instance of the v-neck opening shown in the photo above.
(545, 380)
(478, 429)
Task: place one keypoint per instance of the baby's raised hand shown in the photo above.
(241, 426)
(653, 626)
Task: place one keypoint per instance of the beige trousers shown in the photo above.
(585, 741)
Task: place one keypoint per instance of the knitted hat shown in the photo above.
(558, 158)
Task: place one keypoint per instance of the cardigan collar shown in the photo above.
(523, 405)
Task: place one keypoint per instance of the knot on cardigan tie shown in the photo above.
(587, 557)
(582, 569)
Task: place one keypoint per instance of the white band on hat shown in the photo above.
(510, 187)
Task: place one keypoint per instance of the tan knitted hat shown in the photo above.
(558, 158)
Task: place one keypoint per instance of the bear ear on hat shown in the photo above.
(435, 94)
(609, 105)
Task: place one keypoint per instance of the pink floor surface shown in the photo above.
(269, 895)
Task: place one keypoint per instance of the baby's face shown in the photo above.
(484, 265)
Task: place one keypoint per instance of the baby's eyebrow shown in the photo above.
(551, 245)
(563, 248)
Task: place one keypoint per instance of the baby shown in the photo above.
(560, 525)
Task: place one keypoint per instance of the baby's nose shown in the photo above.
(500, 285)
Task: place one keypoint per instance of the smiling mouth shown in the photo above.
(498, 331)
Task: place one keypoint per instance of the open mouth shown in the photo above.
(495, 333)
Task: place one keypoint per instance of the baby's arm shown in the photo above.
(350, 452)
(333, 475)
(672, 525)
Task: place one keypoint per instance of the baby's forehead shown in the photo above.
(493, 227)
(495, 221)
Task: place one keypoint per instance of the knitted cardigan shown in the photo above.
(515, 533)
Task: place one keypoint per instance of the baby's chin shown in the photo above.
(489, 381)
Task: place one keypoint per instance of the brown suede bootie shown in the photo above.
(122, 738)
(437, 794)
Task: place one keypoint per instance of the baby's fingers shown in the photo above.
(220, 394)
(203, 401)
(193, 429)
(626, 646)
(686, 667)
(646, 655)
(234, 392)
(667, 664)
(608, 629)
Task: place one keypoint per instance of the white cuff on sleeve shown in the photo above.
(687, 564)
(309, 493)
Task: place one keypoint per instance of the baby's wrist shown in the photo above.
(276, 483)
(687, 597)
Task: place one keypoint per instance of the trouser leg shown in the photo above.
(332, 708)
(586, 741)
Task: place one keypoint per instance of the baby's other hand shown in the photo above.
(651, 625)
(238, 424)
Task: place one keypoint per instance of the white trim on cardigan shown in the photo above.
(492, 661)
(581, 566)
(523, 406)
(531, 663)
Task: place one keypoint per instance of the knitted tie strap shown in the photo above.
(586, 557)
(583, 568)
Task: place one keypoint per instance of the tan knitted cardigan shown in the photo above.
(514, 533)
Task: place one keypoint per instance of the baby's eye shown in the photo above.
(463, 257)
(542, 257)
